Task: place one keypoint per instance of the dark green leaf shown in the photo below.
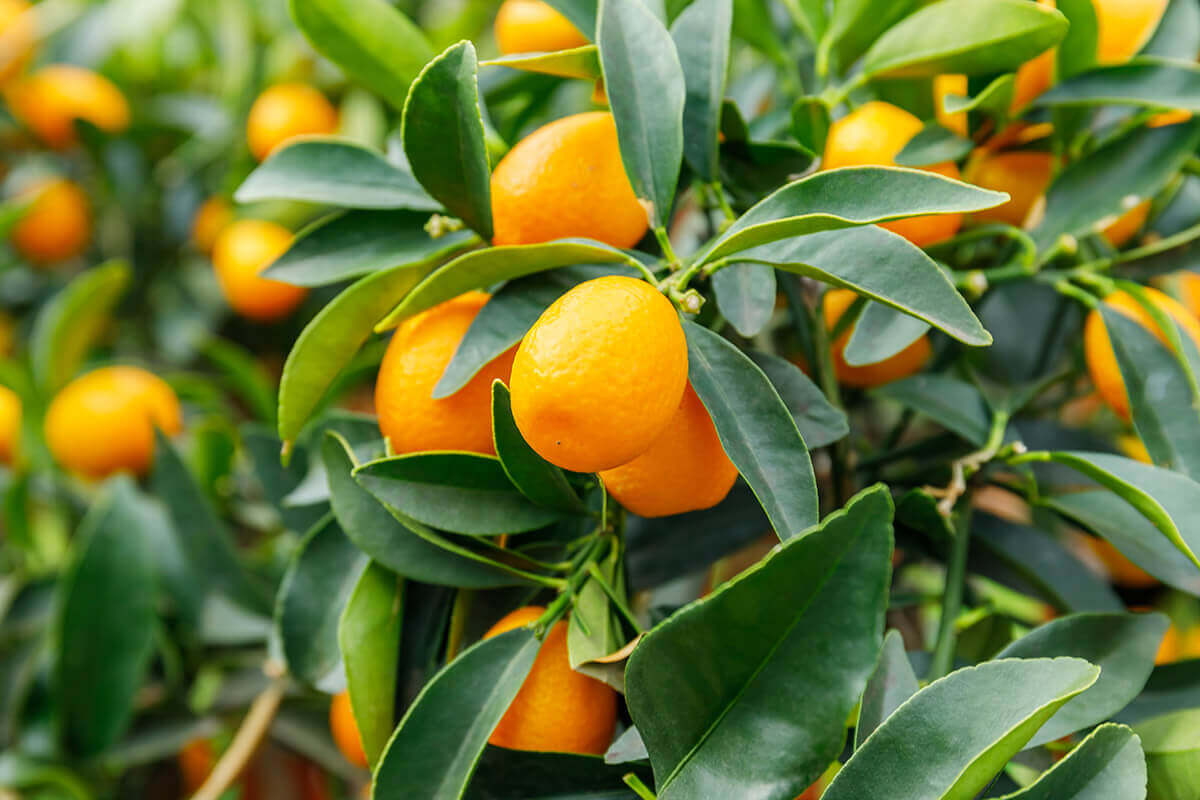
(579, 62)
(444, 139)
(1178, 34)
(756, 429)
(581, 13)
(880, 333)
(955, 405)
(534, 476)
(810, 123)
(995, 98)
(892, 683)
(819, 422)
(438, 743)
(646, 91)
(1145, 82)
(1107, 765)
(701, 35)
(855, 24)
(702, 685)
(517, 775)
(934, 145)
(369, 637)
(1077, 52)
(745, 295)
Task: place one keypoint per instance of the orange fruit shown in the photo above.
(1178, 645)
(103, 422)
(686, 468)
(213, 216)
(1097, 348)
(874, 134)
(1188, 285)
(409, 416)
(1127, 225)
(529, 26)
(557, 709)
(1124, 27)
(10, 424)
(49, 101)
(196, 760)
(285, 111)
(1131, 446)
(1023, 174)
(600, 374)
(1173, 117)
(243, 250)
(907, 362)
(566, 179)
(57, 225)
(1120, 569)
(345, 730)
(944, 85)
(16, 37)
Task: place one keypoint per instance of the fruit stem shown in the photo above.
(647, 275)
(943, 651)
(718, 192)
(639, 788)
(247, 739)
(664, 241)
(621, 606)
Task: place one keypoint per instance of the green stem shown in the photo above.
(639, 788)
(617, 601)
(571, 585)
(649, 276)
(1069, 289)
(718, 192)
(823, 350)
(664, 241)
(947, 639)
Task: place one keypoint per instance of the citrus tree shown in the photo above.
(725, 398)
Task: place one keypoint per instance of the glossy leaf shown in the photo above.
(745, 295)
(593, 631)
(995, 98)
(820, 423)
(444, 139)
(845, 198)
(373, 42)
(314, 591)
(757, 431)
(646, 90)
(457, 492)
(534, 476)
(1077, 52)
(578, 62)
(892, 683)
(954, 404)
(966, 725)
(385, 539)
(482, 268)
(971, 37)
(1172, 747)
(1107, 765)
(702, 685)
(334, 172)
(810, 123)
(1178, 33)
(71, 323)
(701, 34)
(882, 266)
(331, 340)
(360, 242)
(880, 333)
(105, 622)
(369, 637)
(855, 24)
(439, 742)
(1143, 82)
(934, 145)
(1122, 645)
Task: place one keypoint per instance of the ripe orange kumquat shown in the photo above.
(566, 179)
(874, 134)
(1120, 569)
(528, 26)
(907, 362)
(686, 468)
(16, 37)
(1121, 230)
(345, 730)
(1124, 27)
(10, 425)
(944, 85)
(103, 422)
(285, 111)
(409, 416)
(600, 374)
(49, 101)
(213, 216)
(1023, 174)
(196, 760)
(57, 226)
(241, 252)
(557, 709)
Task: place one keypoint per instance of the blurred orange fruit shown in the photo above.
(241, 252)
(907, 362)
(944, 85)
(196, 760)
(10, 424)
(214, 215)
(1126, 226)
(285, 111)
(1124, 27)
(57, 226)
(1023, 174)
(1120, 569)
(528, 26)
(345, 730)
(16, 37)
(50, 99)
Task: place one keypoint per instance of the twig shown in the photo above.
(247, 739)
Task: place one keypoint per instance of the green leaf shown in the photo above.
(703, 685)
(356, 243)
(534, 476)
(244, 375)
(386, 540)
(752, 22)
(521, 775)
(444, 138)
(1107, 765)
(820, 423)
(1161, 398)
(334, 172)
(880, 333)
(593, 631)
(756, 429)
(457, 492)
(73, 321)
(810, 123)
(934, 145)
(438, 743)
(845, 198)
(882, 266)
(1172, 746)
(1110, 517)
(331, 339)
(1170, 501)
(579, 62)
(1144, 82)
(1122, 645)
(971, 37)
(1092, 192)
(701, 34)
(647, 91)
(1077, 52)
(892, 683)
(745, 295)
(319, 581)
(965, 727)
(105, 622)
(581, 13)
(482, 268)
(955, 405)
(1178, 34)
(369, 638)
(508, 315)
(370, 40)
(855, 24)
(995, 99)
